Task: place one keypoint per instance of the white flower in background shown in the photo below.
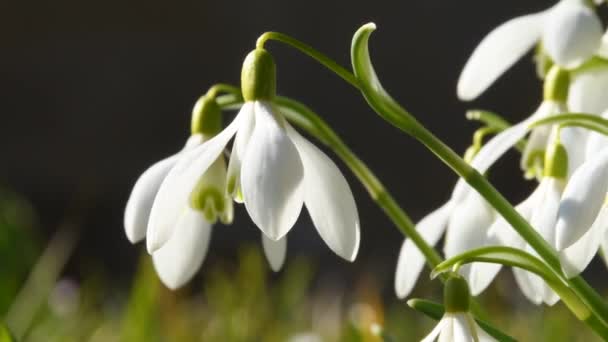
(457, 323)
(583, 217)
(570, 32)
(272, 168)
(588, 89)
(458, 327)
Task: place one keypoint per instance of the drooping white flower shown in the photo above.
(181, 257)
(457, 327)
(457, 324)
(272, 169)
(570, 32)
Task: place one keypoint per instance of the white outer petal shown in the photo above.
(240, 146)
(544, 215)
(587, 92)
(328, 199)
(174, 194)
(411, 260)
(468, 224)
(482, 335)
(596, 142)
(582, 200)
(180, 258)
(571, 33)
(137, 211)
(603, 50)
(444, 323)
(272, 175)
(497, 52)
(463, 326)
(275, 251)
(574, 140)
(503, 231)
(523, 281)
(576, 257)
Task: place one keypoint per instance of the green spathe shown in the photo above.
(556, 85)
(206, 117)
(456, 294)
(556, 161)
(258, 77)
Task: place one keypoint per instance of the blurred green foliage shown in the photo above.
(236, 301)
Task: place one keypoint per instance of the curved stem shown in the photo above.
(310, 51)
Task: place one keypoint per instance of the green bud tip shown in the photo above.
(258, 76)
(556, 161)
(556, 84)
(456, 294)
(206, 117)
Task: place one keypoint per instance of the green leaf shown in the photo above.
(5, 334)
(436, 310)
(588, 121)
(499, 255)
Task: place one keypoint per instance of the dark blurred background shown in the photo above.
(92, 93)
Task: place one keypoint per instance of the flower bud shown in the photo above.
(206, 117)
(456, 294)
(258, 76)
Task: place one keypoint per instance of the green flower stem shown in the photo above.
(385, 106)
(310, 51)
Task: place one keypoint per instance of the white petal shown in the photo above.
(523, 281)
(587, 93)
(275, 252)
(574, 140)
(174, 193)
(603, 50)
(481, 275)
(536, 142)
(328, 199)
(571, 33)
(411, 260)
(582, 200)
(142, 196)
(596, 142)
(494, 149)
(544, 215)
(497, 52)
(239, 147)
(272, 175)
(443, 323)
(538, 285)
(462, 328)
(179, 259)
(482, 335)
(503, 231)
(468, 224)
(576, 257)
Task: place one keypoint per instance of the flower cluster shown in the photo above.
(569, 163)
(272, 169)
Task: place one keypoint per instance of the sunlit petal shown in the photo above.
(275, 251)
(411, 260)
(271, 175)
(181, 256)
(497, 52)
(576, 257)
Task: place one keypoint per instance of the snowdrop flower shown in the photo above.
(182, 255)
(457, 324)
(570, 32)
(583, 217)
(272, 169)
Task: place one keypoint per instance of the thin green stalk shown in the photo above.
(310, 51)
